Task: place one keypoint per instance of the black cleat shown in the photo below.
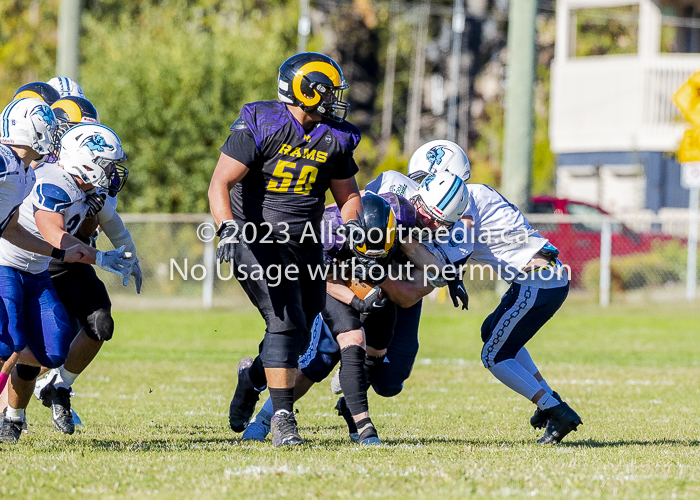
(283, 428)
(539, 419)
(11, 430)
(561, 420)
(243, 403)
(58, 399)
(344, 412)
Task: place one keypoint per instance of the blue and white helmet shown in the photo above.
(439, 156)
(66, 87)
(442, 196)
(91, 152)
(29, 122)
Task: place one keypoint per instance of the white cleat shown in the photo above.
(335, 383)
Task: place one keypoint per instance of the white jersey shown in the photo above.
(55, 191)
(113, 226)
(454, 248)
(503, 238)
(16, 183)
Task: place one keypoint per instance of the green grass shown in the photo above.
(155, 406)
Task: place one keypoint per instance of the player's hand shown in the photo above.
(95, 203)
(435, 280)
(227, 238)
(76, 253)
(136, 273)
(458, 293)
(115, 261)
(373, 302)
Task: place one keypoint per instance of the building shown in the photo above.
(612, 123)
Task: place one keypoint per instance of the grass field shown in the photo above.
(155, 409)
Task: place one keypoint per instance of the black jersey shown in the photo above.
(290, 168)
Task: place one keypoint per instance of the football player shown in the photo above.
(323, 353)
(66, 87)
(25, 136)
(53, 211)
(37, 90)
(271, 178)
(80, 290)
(504, 240)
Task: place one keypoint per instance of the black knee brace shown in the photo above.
(100, 325)
(353, 380)
(27, 372)
(282, 349)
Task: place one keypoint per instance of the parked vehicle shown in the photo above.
(579, 243)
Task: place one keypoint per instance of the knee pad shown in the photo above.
(100, 325)
(27, 372)
(282, 349)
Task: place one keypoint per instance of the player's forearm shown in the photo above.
(420, 256)
(17, 235)
(68, 240)
(116, 231)
(219, 202)
(339, 291)
(351, 207)
(405, 293)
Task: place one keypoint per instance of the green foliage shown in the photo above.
(665, 264)
(27, 43)
(170, 82)
(604, 31)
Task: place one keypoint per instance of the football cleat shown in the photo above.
(370, 441)
(561, 420)
(243, 403)
(58, 400)
(11, 429)
(283, 428)
(539, 419)
(335, 383)
(344, 412)
(258, 428)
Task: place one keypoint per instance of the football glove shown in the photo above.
(115, 261)
(227, 232)
(373, 302)
(95, 202)
(136, 273)
(458, 293)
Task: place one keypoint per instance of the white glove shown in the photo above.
(115, 261)
(136, 273)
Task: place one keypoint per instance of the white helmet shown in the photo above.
(442, 196)
(29, 122)
(92, 153)
(66, 87)
(439, 156)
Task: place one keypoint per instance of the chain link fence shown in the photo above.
(640, 258)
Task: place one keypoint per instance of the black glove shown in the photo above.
(373, 302)
(95, 202)
(458, 292)
(227, 238)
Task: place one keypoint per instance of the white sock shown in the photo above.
(14, 413)
(281, 412)
(64, 378)
(516, 378)
(523, 358)
(547, 401)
